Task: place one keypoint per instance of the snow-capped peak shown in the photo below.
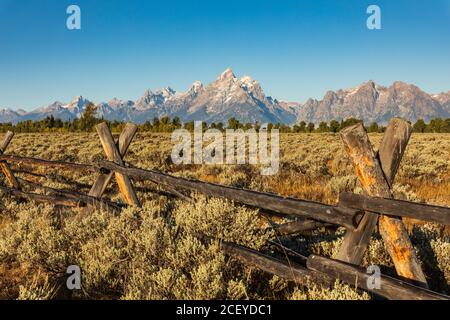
(77, 105)
(197, 85)
(8, 115)
(153, 99)
(253, 87)
(167, 92)
(249, 83)
(148, 93)
(227, 74)
(196, 88)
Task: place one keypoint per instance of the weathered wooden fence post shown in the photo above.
(125, 138)
(4, 165)
(113, 154)
(373, 179)
(390, 288)
(391, 152)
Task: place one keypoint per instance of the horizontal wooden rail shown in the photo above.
(324, 272)
(289, 271)
(390, 288)
(317, 211)
(302, 226)
(47, 163)
(63, 198)
(394, 207)
(90, 201)
(56, 200)
(348, 218)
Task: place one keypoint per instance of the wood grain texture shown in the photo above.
(91, 202)
(356, 242)
(267, 201)
(309, 209)
(300, 227)
(395, 138)
(390, 288)
(125, 138)
(372, 178)
(19, 161)
(4, 165)
(112, 153)
(6, 140)
(13, 182)
(56, 200)
(393, 146)
(392, 207)
(283, 269)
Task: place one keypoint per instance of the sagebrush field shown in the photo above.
(152, 252)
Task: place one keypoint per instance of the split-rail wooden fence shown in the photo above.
(359, 214)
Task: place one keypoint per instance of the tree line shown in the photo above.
(88, 120)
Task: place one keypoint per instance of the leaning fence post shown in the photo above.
(4, 165)
(373, 180)
(390, 153)
(6, 140)
(127, 135)
(110, 148)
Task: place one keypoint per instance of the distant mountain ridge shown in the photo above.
(375, 103)
(245, 100)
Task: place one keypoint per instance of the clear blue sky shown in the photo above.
(296, 49)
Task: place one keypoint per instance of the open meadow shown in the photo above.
(152, 252)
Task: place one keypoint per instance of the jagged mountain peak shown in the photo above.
(53, 106)
(374, 103)
(249, 82)
(148, 93)
(8, 116)
(78, 100)
(369, 83)
(227, 74)
(405, 87)
(5, 110)
(330, 95)
(253, 87)
(195, 90)
(245, 100)
(166, 92)
(114, 100)
(196, 86)
(77, 105)
(401, 84)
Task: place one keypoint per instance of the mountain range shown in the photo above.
(244, 99)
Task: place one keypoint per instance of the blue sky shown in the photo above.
(296, 49)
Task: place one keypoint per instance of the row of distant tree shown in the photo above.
(88, 120)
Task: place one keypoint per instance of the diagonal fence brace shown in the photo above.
(113, 154)
(374, 177)
(125, 138)
(4, 165)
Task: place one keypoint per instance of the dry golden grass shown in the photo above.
(142, 255)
